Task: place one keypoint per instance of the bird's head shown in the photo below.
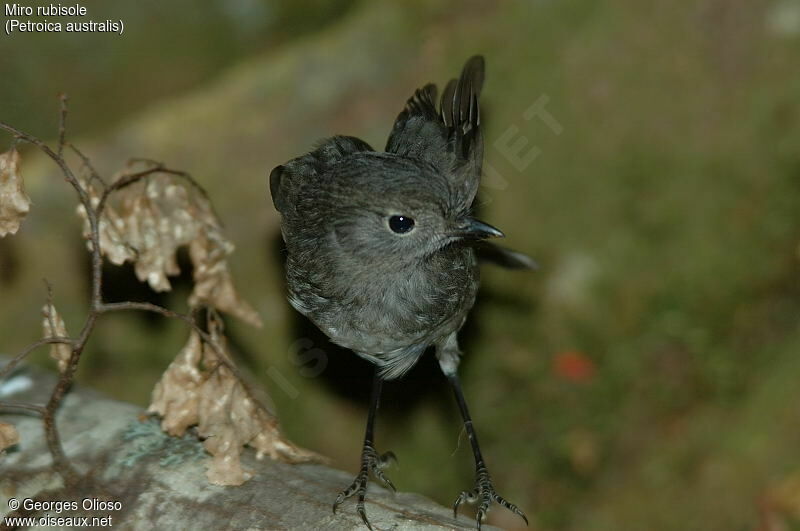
(381, 209)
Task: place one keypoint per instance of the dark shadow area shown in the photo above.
(9, 262)
(120, 284)
(349, 376)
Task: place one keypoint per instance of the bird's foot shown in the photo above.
(484, 494)
(370, 462)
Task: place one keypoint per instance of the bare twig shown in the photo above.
(66, 377)
(93, 175)
(122, 182)
(205, 337)
(142, 160)
(188, 319)
(6, 370)
(148, 307)
(24, 406)
(83, 196)
(62, 124)
(157, 167)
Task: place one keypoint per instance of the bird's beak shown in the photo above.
(473, 229)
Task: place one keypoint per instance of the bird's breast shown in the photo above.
(382, 313)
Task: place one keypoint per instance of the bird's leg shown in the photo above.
(371, 461)
(484, 492)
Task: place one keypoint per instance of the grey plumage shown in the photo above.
(381, 245)
(386, 296)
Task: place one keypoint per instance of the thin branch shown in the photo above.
(62, 124)
(60, 461)
(6, 370)
(93, 175)
(222, 358)
(142, 160)
(147, 307)
(83, 196)
(159, 166)
(154, 308)
(129, 179)
(24, 406)
(188, 319)
(65, 379)
(49, 288)
(122, 182)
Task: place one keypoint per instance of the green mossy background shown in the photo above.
(665, 217)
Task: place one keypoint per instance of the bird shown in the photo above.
(382, 252)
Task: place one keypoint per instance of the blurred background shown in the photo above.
(646, 153)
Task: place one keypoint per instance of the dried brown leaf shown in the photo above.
(269, 441)
(202, 387)
(176, 396)
(14, 203)
(53, 326)
(224, 430)
(8, 436)
(158, 224)
(147, 222)
(213, 285)
(111, 227)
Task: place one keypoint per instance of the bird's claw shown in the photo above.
(370, 462)
(484, 494)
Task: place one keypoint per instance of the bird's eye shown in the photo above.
(401, 224)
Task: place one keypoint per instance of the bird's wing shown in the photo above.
(450, 138)
(419, 130)
(286, 180)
